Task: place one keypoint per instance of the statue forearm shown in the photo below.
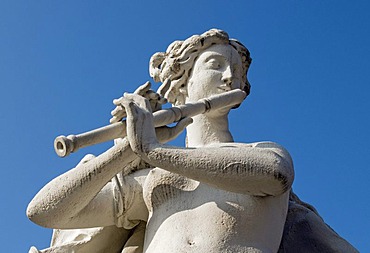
(64, 197)
(238, 168)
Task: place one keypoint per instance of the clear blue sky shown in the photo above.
(62, 62)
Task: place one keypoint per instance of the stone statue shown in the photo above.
(215, 195)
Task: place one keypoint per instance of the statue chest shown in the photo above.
(175, 193)
(163, 187)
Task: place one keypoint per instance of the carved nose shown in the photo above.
(227, 76)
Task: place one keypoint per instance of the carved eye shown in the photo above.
(213, 63)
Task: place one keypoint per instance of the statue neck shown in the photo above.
(207, 130)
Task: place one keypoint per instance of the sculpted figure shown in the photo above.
(214, 195)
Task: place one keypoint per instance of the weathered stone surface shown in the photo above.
(215, 195)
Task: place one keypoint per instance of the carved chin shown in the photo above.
(236, 106)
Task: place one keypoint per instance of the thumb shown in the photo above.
(165, 134)
(181, 125)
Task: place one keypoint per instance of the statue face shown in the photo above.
(218, 69)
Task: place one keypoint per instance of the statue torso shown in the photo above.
(188, 216)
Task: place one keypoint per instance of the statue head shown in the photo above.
(174, 67)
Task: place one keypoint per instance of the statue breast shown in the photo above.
(162, 186)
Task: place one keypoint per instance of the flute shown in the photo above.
(65, 145)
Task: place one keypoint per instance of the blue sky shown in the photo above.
(62, 63)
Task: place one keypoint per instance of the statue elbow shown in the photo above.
(281, 175)
(284, 174)
(278, 164)
(41, 215)
(33, 213)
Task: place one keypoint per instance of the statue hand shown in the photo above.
(140, 128)
(139, 122)
(156, 101)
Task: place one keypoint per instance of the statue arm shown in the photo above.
(76, 198)
(261, 169)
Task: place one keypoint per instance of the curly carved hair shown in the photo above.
(174, 66)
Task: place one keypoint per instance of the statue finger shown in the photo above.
(118, 111)
(155, 106)
(135, 120)
(152, 95)
(156, 100)
(142, 89)
(115, 119)
(117, 101)
(182, 124)
(166, 134)
(129, 104)
(139, 100)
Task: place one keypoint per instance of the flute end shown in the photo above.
(63, 146)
